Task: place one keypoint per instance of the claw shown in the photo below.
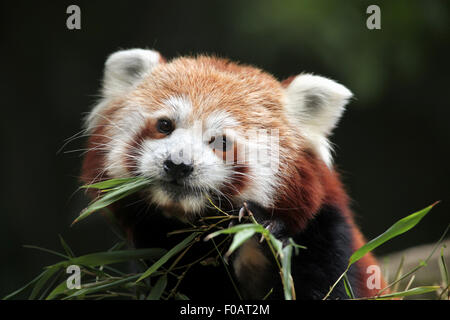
(261, 239)
(242, 213)
(268, 228)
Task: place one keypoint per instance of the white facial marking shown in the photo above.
(125, 131)
(189, 144)
(262, 156)
(186, 144)
(177, 108)
(220, 120)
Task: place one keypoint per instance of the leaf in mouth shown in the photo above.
(112, 191)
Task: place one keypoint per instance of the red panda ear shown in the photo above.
(316, 104)
(125, 68)
(123, 71)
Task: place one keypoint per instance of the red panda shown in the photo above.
(146, 124)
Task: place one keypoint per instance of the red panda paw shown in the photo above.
(248, 210)
(262, 216)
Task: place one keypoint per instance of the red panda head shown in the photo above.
(205, 127)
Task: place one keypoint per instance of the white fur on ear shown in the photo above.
(123, 71)
(316, 104)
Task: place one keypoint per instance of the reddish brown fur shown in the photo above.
(94, 160)
(308, 185)
(246, 92)
(256, 99)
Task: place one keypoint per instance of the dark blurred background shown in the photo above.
(392, 146)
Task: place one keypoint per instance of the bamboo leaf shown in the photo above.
(183, 244)
(158, 289)
(180, 296)
(110, 257)
(112, 196)
(112, 183)
(268, 294)
(60, 289)
(42, 281)
(410, 292)
(399, 273)
(66, 247)
(296, 246)
(239, 238)
(47, 250)
(117, 246)
(444, 270)
(286, 269)
(102, 258)
(25, 287)
(102, 286)
(396, 229)
(348, 287)
(246, 226)
(277, 244)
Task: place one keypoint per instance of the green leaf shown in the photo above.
(110, 257)
(47, 250)
(66, 247)
(396, 229)
(42, 281)
(25, 287)
(180, 296)
(158, 289)
(268, 294)
(51, 284)
(296, 246)
(102, 286)
(348, 287)
(410, 292)
(443, 268)
(239, 238)
(60, 289)
(117, 246)
(183, 244)
(112, 196)
(288, 285)
(399, 272)
(112, 183)
(246, 226)
(277, 244)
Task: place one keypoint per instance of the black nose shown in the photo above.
(177, 171)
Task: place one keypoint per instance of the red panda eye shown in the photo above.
(212, 140)
(164, 126)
